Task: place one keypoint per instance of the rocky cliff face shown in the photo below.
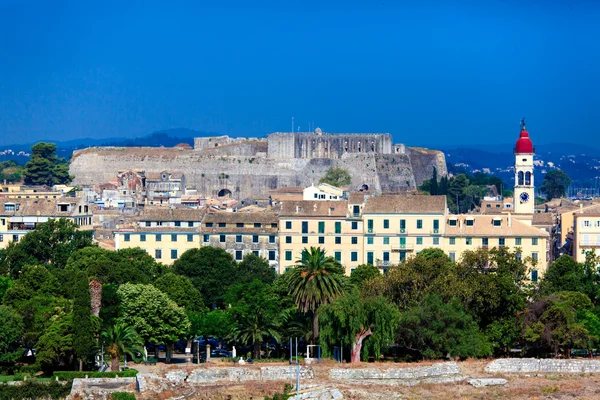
(247, 176)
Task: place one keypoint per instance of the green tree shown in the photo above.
(44, 167)
(5, 284)
(362, 273)
(254, 267)
(316, 280)
(55, 346)
(358, 323)
(211, 269)
(555, 184)
(119, 340)
(337, 177)
(434, 190)
(34, 280)
(456, 192)
(256, 313)
(83, 333)
(564, 274)
(181, 290)
(437, 329)
(153, 315)
(216, 323)
(11, 332)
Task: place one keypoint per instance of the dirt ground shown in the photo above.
(520, 386)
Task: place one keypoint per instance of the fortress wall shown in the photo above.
(280, 145)
(201, 143)
(423, 161)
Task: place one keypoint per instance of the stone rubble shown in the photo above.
(532, 365)
(436, 373)
(480, 382)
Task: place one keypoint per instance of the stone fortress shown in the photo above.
(250, 167)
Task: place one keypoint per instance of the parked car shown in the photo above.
(219, 353)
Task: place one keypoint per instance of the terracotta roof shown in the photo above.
(356, 198)
(159, 229)
(41, 207)
(483, 226)
(171, 214)
(312, 208)
(294, 190)
(246, 217)
(543, 219)
(407, 204)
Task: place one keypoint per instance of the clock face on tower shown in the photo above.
(524, 197)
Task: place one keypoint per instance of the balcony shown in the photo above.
(588, 243)
(380, 263)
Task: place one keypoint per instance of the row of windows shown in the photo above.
(337, 226)
(419, 224)
(239, 254)
(190, 224)
(15, 238)
(587, 223)
(321, 239)
(237, 225)
(501, 241)
(238, 238)
(158, 237)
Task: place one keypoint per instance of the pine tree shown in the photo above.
(83, 333)
(434, 183)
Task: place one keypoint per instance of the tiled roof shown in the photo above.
(483, 226)
(171, 214)
(245, 217)
(41, 207)
(409, 204)
(356, 197)
(543, 219)
(312, 208)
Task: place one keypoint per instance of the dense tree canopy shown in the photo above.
(336, 177)
(555, 184)
(11, 331)
(254, 267)
(44, 167)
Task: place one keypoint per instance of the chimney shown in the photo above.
(509, 220)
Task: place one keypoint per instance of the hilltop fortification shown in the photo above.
(251, 167)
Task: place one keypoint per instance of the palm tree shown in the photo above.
(121, 339)
(256, 328)
(316, 280)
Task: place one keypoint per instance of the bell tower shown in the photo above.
(524, 193)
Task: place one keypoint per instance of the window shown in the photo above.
(419, 224)
(370, 226)
(452, 222)
(587, 224)
(3, 221)
(386, 240)
(254, 238)
(518, 256)
(488, 206)
(452, 241)
(222, 239)
(206, 238)
(534, 256)
(452, 255)
(272, 255)
(534, 275)
(338, 240)
(517, 241)
(321, 239)
(209, 224)
(419, 240)
(173, 237)
(501, 242)
(354, 225)
(338, 256)
(469, 222)
(288, 239)
(436, 225)
(597, 223)
(520, 177)
(484, 242)
(386, 256)
(222, 225)
(497, 222)
(288, 224)
(1, 238)
(173, 254)
(274, 225)
(369, 240)
(304, 226)
(288, 255)
(468, 241)
(386, 224)
(402, 226)
(15, 238)
(257, 225)
(321, 227)
(177, 223)
(9, 207)
(356, 210)
(402, 255)
(148, 223)
(190, 224)
(338, 227)
(534, 241)
(370, 257)
(239, 225)
(304, 239)
(239, 255)
(256, 253)
(527, 178)
(354, 256)
(142, 237)
(354, 240)
(158, 237)
(271, 239)
(436, 241)
(126, 237)
(190, 237)
(158, 254)
(238, 238)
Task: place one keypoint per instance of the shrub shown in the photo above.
(122, 396)
(36, 390)
(94, 374)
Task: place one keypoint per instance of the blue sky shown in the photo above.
(429, 72)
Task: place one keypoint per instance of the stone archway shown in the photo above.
(364, 188)
(224, 193)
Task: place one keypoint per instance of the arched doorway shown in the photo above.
(224, 193)
(364, 188)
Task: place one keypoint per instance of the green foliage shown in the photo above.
(362, 273)
(120, 339)
(122, 396)
(109, 310)
(35, 390)
(10, 171)
(11, 330)
(337, 177)
(434, 185)
(34, 280)
(44, 167)
(68, 375)
(211, 269)
(216, 323)
(83, 332)
(55, 346)
(181, 290)
(350, 316)
(155, 317)
(5, 283)
(555, 184)
(254, 267)
(437, 329)
(287, 393)
(564, 274)
(51, 243)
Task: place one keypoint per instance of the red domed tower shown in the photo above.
(524, 188)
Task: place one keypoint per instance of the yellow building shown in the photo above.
(19, 216)
(327, 224)
(396, 226)
(164, 233)
(586, 229)
(470, 232)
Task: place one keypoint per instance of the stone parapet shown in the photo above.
(532, 365)
(436, 373)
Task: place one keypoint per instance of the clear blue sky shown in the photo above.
(429, 72)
